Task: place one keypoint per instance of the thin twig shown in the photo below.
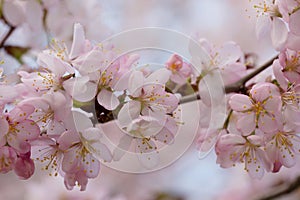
(235, 87)
(9, 32)
(289, 189)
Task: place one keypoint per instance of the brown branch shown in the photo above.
(293, 186)
(7, 35)
(235, 87)
(9, 32)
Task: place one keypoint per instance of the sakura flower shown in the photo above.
(51, 111)
(8, 158)
(82, 147)
(45, 150)
(290, 94)
(282, 147)
(260, 110)
(148, 96)
(234, 148)
(144, 133)
(180, 69)
(227, 57)
(290, 64)
(78, 163)
(270, 20)
(17, 130)
(53, 77)
(101, 77)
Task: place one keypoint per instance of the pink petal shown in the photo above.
(122, 148)
(91, 62)
(168, 132)
(67, 139)
(91, 166)
(246, 123)
(71, 161)
(267, 123)
(20, 113)
(294, 23)
(7, 93)
(263, 26)
(146, 152)
(293, 41)
(24, 166)
(277, 70)
(279, 33)
(4, 127)
(91, 140)
(27, 130)
(108, 99)
(160, 76)
(136, 81)
(80, 122)
(229, 53)
(78, 41)
(13, 13)
(128, 113)
(240, 102)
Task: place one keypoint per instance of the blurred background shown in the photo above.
(188, 178)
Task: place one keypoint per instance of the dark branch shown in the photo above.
(11, 29)
(281, 192)
(235, 87)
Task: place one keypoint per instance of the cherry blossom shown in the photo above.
(283, 147)
(260, 109)
(270, 21)
(180, 69)
(234, 148)
(18, 130)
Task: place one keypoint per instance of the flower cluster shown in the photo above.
(51, 113)
(42, 122)
(261, 130)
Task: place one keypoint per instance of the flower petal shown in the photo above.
(108, 99)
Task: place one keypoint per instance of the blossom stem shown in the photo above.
(235, 87)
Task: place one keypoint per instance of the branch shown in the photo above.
(287, 190)
(235, 87)
(8, 34)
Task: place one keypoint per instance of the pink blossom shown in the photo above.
(82, 150)
(234, 148)
(283, 146)
(78, 163)
(260, 109)
(290, 94)
(270, 21)
(51, 111)
(18, 130)
(51, 79)
(290, 64)
(145, 133)
(148, 96)
(227, 57)
(8, 158)
(180, 69)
